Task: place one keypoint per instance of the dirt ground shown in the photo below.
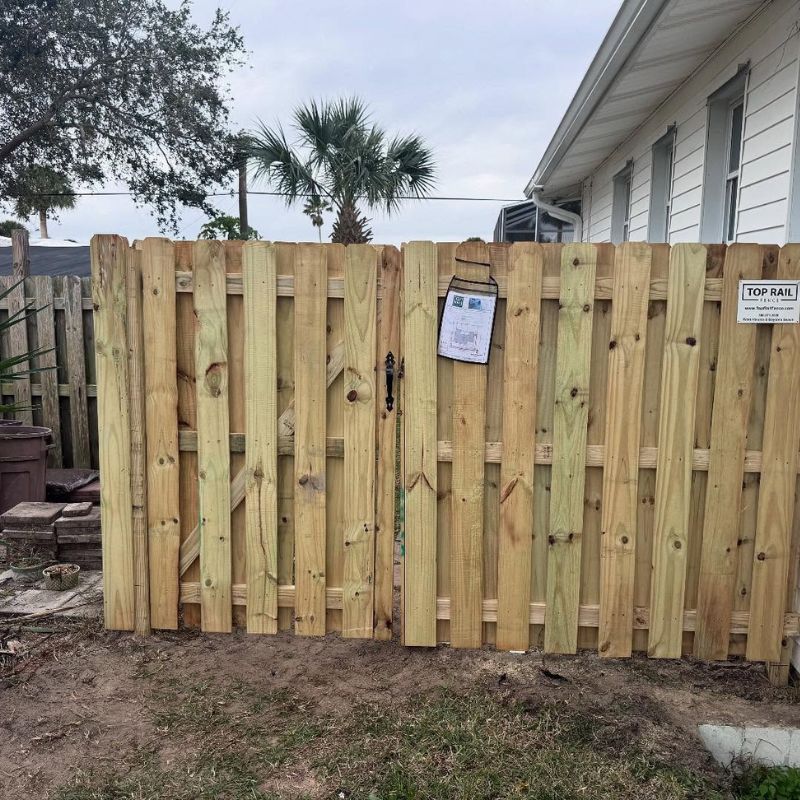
(80, 708)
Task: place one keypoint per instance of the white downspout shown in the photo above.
(558, 213)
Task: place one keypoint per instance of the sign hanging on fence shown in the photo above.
(465, 331)
(769, 301)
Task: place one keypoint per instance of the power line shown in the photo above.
(446, 198)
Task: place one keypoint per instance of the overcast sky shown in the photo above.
(484, 83)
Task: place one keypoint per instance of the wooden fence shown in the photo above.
(621, 476)
(63, 399)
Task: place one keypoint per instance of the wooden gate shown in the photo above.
(622, 475)
(247, 449)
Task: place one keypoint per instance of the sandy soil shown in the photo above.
(82, 695)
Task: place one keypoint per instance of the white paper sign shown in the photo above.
(466, 331)
(769, 301)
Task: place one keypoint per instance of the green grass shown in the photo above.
(227, 740)
(479, 746)
(758, 783)
(237, 742)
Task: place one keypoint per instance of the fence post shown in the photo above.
(18, 334)
(109, 285)
(20, 254)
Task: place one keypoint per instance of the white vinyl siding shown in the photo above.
(640, 199)
(598, 226)
(771, 45)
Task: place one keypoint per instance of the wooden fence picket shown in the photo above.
(309, 444)
(679, 378)
(187, 419)
(109, 277)
(213, 455)
(520, 365)
(259, 273)
(419, 344)
(389, 319)
(48, 377)
(136, 380)
(76, 371)
(161, 407)
(18, 345)
(360, 390)
(469, 418)
(734, 381)
(623, 424)
(570, 422)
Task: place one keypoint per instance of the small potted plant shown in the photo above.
(26, 563)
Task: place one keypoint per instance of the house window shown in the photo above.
(661, 187)
(723, 161)
(734, 162)
(621, 206)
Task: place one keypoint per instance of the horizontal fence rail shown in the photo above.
(622, 475)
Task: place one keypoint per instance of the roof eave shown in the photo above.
(634, 19)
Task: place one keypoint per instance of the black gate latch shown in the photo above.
(389, 380)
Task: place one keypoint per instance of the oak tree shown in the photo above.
(117, 90)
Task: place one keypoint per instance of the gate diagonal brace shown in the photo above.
(190, 547)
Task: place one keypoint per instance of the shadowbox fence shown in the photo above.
(62, 399)
(621, 476)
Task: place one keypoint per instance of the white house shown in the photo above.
(685, 128)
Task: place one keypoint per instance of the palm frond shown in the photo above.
(412, 169)
(350, 118)
(275, 160)
(8, 363)
(314, 124)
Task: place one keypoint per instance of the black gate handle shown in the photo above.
(389, 380)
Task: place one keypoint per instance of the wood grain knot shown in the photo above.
(215, 376)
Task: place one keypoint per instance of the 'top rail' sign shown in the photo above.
(769, 301)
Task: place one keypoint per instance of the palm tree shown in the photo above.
(314, 208)
(40, 190)
(340, 154)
